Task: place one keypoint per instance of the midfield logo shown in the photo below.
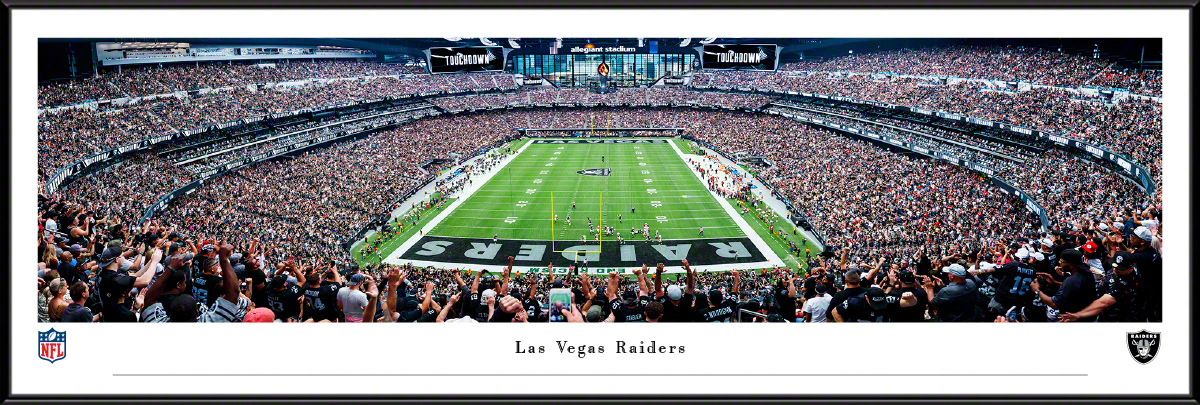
(1143, 345)
(52, 345)
(595, 172)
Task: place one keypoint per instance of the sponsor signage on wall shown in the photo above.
(466, 59)
(747, 57)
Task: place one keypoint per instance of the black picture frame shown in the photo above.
(616, 398)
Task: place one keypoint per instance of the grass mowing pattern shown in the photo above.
(516, 203)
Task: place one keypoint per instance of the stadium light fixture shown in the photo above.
(685, 42)
(708, 40)
(486, 42)
(558, 42)
(512, 43)
(641, 42)
(453, 39)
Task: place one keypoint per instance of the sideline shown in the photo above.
(772, 258)
(464, 195)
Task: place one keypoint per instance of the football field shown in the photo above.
(626, 184)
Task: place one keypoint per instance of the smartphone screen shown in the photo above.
(560, 300)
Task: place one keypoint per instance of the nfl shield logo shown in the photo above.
(52, 345)
(1143, 345)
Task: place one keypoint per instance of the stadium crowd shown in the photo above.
(917, 239)
(1009, 63)
(1131, 127)
(137, 81)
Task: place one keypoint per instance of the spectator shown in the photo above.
(960, 301)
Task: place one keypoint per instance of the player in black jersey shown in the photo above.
(720, 308)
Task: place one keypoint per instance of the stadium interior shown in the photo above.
(895, 180)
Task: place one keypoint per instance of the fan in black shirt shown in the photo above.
(1077, 291)
(677, 304)
(632, 306)
(852, 289)
(870, 306)
(320, 297)
(282, 299)
(1012, 284)
(207, 285)
(914, 313)
(785, 296)
(720, 308)
(1149, 264)
(1123, 300)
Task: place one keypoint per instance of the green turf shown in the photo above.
(388, 247)
(778, 243)
(687, 146)
(516, 202)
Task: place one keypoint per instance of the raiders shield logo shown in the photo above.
(595, 172)
(1143, 345)
(52, 345)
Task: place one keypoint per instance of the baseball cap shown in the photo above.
(774, 318)
(594, 313)
(906, 277)
(208, 247)
(263, 315)
(279, 280)
(1144, 233)
(236, 257)
(75, 248)
(1090, 247)
(488, 293)
(355, 279)
(1122, 260)
(59, 239)
(108, 256)
(1038, 256)
(956, 270)
(1022, 254)
(1103, 226)
(878, 299)
(1073, 256)
(674, 293)
(1047, 242)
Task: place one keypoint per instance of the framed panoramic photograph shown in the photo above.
(878, 204)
